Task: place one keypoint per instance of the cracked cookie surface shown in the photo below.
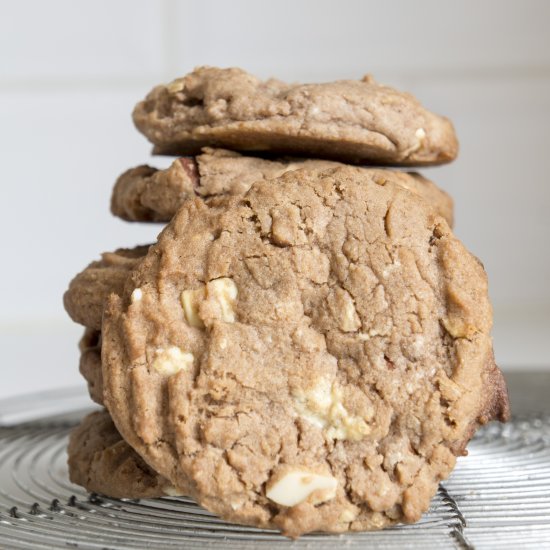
(357, 121)
(311, 356)
(102, 462)
(147, 194)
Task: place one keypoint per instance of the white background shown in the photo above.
(71, 71)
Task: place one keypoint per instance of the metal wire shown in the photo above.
(498, 497)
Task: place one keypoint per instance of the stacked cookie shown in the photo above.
(307, 345)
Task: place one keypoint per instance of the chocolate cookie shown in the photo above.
(311, 356)
(102, 462)
(87, 292)
(357, 121)
(146, 194)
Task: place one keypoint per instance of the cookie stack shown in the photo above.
(307, 345)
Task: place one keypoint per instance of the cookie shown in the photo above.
(90, 363)
(356, 121)
(85, 300)
(102, 462)
(146, 194)
(87, 292)
(309, 357)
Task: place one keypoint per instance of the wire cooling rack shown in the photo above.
(497, 497)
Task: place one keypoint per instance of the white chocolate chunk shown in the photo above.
(322, 406)
(137, 295)
(224, 292)
(342, 307)
(170, 360)
(190, 301)
(175, 86)
(171, 491)
(348, 515)
(298, 485)
(418, 344)
(236, 505)
(390, 268)
(220, 293)
(420, 134)
(349, 321)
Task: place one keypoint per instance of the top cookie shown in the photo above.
(311, 356)
(353, 121)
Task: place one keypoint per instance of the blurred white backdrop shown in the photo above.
(71, 72)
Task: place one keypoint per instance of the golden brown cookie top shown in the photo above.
(357, 121)
(147, 194)
(311, 356)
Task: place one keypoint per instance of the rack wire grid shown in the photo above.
(497, 497)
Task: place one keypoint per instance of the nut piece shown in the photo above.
(137, 295)
(298, 485)
(170, 360)
(224, 292)
(322, 406)
(190, 301)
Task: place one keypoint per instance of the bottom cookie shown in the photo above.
(102, 462)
